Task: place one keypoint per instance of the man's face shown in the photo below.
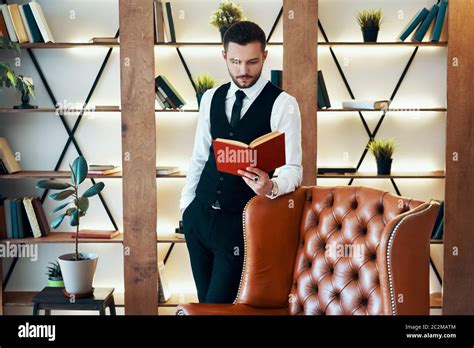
(244, 63)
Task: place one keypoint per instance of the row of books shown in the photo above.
(164, 25)
(22, 217)
(426, 21)
(166, 95)
(24, 23)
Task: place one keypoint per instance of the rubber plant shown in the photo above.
(77, 206)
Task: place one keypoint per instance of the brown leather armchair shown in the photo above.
(334, 251)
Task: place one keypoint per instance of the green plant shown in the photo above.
(8, 78)
(54, 271)
(382, 148)
(78, 205)
(204, 82)
(227, 14)
(370, 18)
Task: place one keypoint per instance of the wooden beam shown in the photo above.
(139, 156)
(458, 283)
(300, 69)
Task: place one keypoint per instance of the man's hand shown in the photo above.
(263, 186)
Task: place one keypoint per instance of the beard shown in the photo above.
(248, 83)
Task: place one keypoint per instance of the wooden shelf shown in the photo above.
(66, 237)
(436, 241)
(25, 299)
(75, 112)
(383, 43)
(44, 174)
(389, 110)
(58, 45)
(61, 237)
(420, 175)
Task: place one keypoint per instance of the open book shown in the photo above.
(267, 153)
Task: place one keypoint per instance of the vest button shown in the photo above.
(219, 192)
(221, 178)
(231, 134)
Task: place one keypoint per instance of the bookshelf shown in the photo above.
(298, 59)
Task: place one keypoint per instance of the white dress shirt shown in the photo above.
(285, 118)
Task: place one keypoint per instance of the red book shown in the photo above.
(96, 234)
(266, 153)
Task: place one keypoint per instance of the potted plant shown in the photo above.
(382, 151)
(226, 14)
(8, 78)
(77, 268)
(369, 21)
(55, 278)
(203, 82)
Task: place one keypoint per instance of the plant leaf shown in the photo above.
(57, 221)
(93, 190)
(52, 185)
(79, 168)
(61, 195)
(60, 207)
(83, 203)
(75, 218)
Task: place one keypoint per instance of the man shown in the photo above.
(212, 202)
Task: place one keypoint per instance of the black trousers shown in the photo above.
(214, 239)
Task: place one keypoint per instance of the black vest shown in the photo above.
(231, 190)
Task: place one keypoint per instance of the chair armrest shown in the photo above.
(227, 309)
(403, 260)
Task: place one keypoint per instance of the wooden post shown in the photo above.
(300, 71)
(458, 282)
(139, 156)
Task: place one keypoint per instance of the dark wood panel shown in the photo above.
(138, 156)
(459, 237)
(300, 36)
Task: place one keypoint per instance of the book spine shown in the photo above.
(171, 91)
(25, 23)
(3, 230)
(168, 99)
(415, 22)
(35, 31)
(32, 217)
(14, 213)
(439, 21)
(8, 157)
(41, 21)
(41, 216)
(160, 34)
(18, 23)
(170, 21)
(8, 218)
(3, 26)
(327, 102)
(420, 34)
(9, 23)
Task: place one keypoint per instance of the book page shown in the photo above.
(232, 142)
(264, 138)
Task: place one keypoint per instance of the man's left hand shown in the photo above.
(262, 186)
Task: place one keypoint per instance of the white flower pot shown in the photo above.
(78, 275)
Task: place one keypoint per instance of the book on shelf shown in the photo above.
(164, 292)
(267, 153)
(166, 170)
(3, 26)
(413, 24)
(113, 170)
(8, 23)
(3, 226)
(366, 104)
(276, 77)
(7, 157)
(96, 234)
(18, 25)
(104, 40)
(425, 25)
(101, 166)
(158, 21)
(440, 18)
(164, 86)
(3, 169)
(30, 212)
(323, 96)
(41, 216)
(34, 34)
(438, 226)
(41, 22)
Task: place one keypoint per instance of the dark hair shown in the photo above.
(243, 33)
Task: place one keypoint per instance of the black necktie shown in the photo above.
(236, 109)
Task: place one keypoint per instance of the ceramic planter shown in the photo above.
(370, 34)
(78, 275)
(384, 166)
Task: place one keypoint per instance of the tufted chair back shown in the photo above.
(333, 251)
